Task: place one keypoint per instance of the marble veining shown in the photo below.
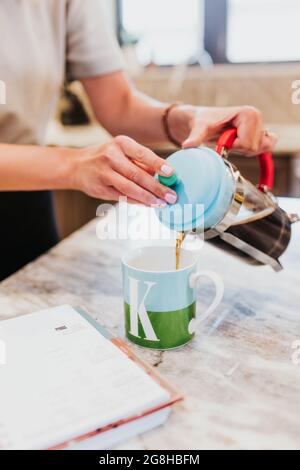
(242, 388)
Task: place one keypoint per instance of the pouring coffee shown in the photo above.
(214, 199)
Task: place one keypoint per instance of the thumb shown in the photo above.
(196, 137)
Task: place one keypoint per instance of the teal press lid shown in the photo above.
(204, 187)
(169, 180)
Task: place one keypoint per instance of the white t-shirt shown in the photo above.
(39, 41)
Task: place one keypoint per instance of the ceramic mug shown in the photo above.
(160, 301)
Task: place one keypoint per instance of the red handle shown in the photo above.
(266, 162)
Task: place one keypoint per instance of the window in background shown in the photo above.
(167, 31)
(263, 30)
(177, 31)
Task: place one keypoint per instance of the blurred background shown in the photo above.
(203, 52)
(170, 32)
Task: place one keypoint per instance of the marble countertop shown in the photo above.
(241, 385)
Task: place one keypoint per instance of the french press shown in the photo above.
(214, 199)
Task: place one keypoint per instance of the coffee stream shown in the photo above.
(179, 241)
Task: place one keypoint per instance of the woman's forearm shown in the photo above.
(143, 120)
(123, 110)
(25, 168)
(108, 171)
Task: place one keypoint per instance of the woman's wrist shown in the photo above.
(58, 167)
(69, 162)
(180, 119)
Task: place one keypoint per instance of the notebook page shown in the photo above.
(62, 379)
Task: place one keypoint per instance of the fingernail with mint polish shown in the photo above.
(167, 170)
(160, 203)
(171, 198)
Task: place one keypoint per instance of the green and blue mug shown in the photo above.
(159, 301)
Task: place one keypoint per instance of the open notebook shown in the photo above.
(66, 383)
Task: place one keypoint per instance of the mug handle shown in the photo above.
(219, 285)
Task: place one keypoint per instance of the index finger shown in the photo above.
(267, 144)
(143, 155)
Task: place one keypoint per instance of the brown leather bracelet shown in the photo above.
(165, 123)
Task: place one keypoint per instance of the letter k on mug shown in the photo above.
(160, 301)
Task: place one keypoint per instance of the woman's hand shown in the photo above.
(122, 168)
(205, 125)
